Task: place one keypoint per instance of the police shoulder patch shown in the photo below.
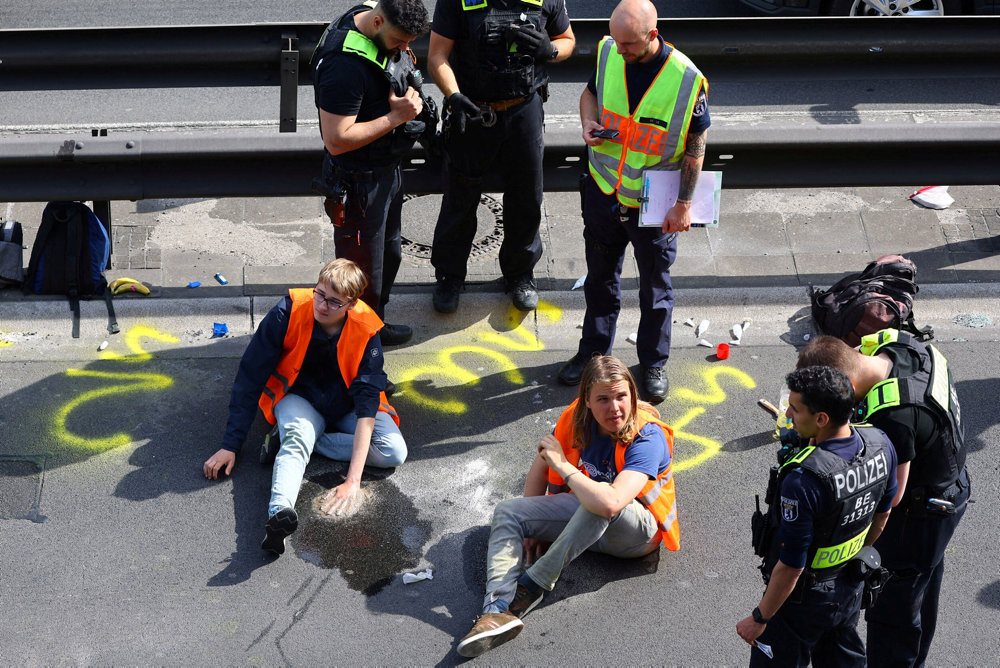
(789, 509)
(700, 105)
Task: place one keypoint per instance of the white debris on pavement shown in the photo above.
(410, 578)
(701, 328)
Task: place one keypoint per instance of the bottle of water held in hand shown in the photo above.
(783, 423)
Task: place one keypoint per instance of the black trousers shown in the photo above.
(606, 237)
(371, 233)
(817, 623)
(514, 148)
(902, 622)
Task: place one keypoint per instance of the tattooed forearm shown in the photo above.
(694, 155)
(695, 145)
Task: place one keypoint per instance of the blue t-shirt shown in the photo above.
(648, 453)
(803, 498)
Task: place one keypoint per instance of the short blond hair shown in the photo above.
(345, 277)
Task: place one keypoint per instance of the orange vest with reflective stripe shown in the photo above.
(360, 324)
(658, 496)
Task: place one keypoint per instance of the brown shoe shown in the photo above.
(524, 601)
(491, 629)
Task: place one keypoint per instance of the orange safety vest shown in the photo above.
(360, 324)
(658, 496)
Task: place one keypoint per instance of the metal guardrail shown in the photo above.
(158, 165)
(148, 165)
(278, 54)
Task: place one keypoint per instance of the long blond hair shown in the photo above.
(606, 369)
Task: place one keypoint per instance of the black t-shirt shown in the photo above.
(348, 85)
(449, 24)
(639, 77)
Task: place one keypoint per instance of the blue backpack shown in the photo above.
(69, 257)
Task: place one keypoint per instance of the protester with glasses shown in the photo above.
(314, 366)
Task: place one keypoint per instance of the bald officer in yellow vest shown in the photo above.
(650, 103)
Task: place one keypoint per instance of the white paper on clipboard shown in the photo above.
(659, 191)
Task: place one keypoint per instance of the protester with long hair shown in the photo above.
(602, 481)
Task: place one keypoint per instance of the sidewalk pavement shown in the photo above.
(786, 238)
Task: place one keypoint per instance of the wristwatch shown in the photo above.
(759, 618)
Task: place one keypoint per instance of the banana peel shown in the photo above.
(122, 285)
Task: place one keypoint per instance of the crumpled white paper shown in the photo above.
(410, 578)
(933, 197)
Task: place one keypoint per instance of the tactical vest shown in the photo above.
(931, 387)
(855, 487)
(341, 37)
(651, 137)
(487, 66)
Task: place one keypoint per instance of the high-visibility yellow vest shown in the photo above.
(653, 137)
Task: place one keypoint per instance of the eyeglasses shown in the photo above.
(333, 304)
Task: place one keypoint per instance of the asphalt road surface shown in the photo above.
(123, 553)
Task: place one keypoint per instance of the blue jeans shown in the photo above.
(302, 429)
(572, 530)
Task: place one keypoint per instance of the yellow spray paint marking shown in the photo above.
(714, 394)
(5, 344)
(132, 341)
(125, 383)
(446, 368)
(518, 339)
(140, 382)
(709, 447)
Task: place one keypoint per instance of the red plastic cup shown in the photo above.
(722, 351)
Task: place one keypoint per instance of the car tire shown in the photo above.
(859, 8)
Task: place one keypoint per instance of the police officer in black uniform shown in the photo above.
(827, 501)
(368, 113)
(907, 391)
(489, 59)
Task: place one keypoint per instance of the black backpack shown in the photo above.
(877, 298)
(11, 254)
(68, 258)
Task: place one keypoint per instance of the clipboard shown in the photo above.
(659, 193)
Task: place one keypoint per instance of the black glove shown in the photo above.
(531, 41)
(462, 111)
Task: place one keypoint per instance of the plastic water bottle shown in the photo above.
(782, 422)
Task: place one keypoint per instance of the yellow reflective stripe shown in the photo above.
(872, 342)
(838, 554)
(800, 457)
(472, 4)
(537, 3)
(940, 391)
(360, 45)
(882, 395)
